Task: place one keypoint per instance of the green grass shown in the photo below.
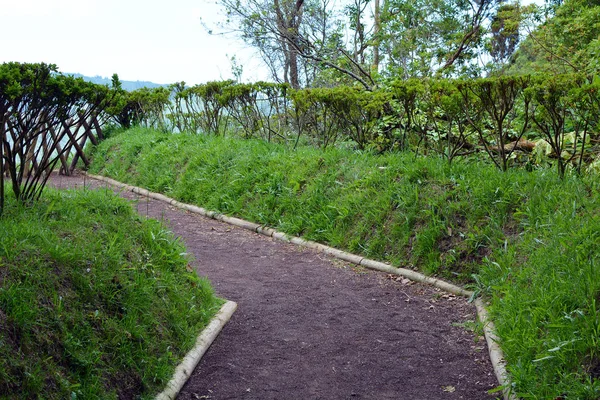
(390, 207)
(526, 240)
(95, 302)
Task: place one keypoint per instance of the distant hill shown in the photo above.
(127, 85)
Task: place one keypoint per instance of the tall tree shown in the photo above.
(426, 37)
(306, 42)
(288, 15)
(376, 35)
(567, 40)
(280, 30)
(298, 39)
(505, 32)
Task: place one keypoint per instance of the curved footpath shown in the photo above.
(311, 327)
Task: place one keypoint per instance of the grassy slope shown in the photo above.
(525, 239)
(95, 302)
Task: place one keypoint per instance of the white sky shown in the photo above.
(146, 40)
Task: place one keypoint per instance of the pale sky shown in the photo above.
(147, 40)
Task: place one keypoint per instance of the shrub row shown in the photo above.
(41, 112)
(512, 119)
(503, 117)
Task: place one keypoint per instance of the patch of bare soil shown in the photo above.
(311, 327)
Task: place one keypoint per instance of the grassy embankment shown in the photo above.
(526, 240)
(95, 302)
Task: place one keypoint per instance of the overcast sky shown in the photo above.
(147, 40)
(161, 41)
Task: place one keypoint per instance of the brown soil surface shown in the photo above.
(311, 327)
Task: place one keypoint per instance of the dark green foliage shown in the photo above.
(95, 302)
(200, 108)
(505, 27)
(448, 132)
(326, 114)
(565, 107)
(258, 110)
(410, 121)
(143, 106)
(498, 110)
(566, 42)
(452, 118)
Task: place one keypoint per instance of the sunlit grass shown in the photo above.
(392, 207)
(95, 302)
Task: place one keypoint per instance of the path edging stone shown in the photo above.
(495, 352)
(190, 361)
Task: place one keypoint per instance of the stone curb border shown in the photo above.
(496, 355)
(495, 352)
(188, 364)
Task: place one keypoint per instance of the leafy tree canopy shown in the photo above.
(567, 42)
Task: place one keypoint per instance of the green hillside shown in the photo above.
(95, 301)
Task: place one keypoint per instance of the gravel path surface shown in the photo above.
(311, 327)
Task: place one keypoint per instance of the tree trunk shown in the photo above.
(288, 25)
(376, 32)
(294, 80)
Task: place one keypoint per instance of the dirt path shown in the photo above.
(309, 327)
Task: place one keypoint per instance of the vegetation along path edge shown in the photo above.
(205, 339)
(495, 352)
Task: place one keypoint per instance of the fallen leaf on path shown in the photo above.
(449, 389)
(401, 279)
